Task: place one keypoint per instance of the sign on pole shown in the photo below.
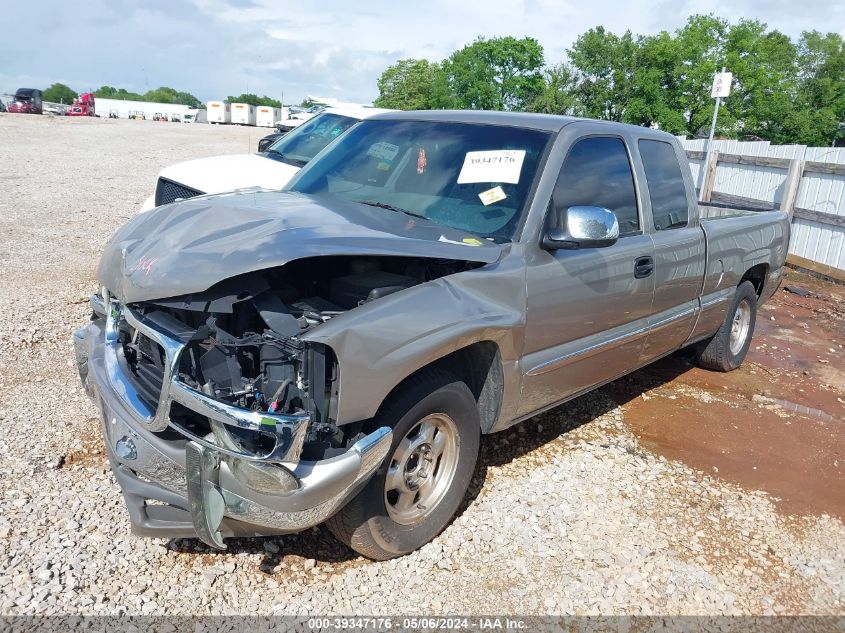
(721, 85)
(721, 88)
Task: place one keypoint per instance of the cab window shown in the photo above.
(597, 173)
(665, 185)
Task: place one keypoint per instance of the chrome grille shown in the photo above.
(145, 360)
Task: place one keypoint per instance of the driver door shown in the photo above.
(587, 308)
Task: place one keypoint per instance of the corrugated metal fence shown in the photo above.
(807, 182)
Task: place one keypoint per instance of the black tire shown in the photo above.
(365, 524)
(716, 353)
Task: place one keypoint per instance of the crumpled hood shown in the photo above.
(217, 174)
(189, 246)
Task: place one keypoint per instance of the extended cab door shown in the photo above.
(587, 309)
(679, 248)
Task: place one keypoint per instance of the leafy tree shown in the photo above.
(783, 91)
(820, 99)
(502, 73)
(255, 100)
(558, 95)
(109, 92)
(700, 53)
(171, 95)
(665, 80)
(653, 101)
(410, 84)
(765, 80)
(158, 95)
(59, 93)
(606, 65)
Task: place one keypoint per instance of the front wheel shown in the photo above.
(728, 347)
(418, 488)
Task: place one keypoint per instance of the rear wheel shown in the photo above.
(726, 350)
(418, 488)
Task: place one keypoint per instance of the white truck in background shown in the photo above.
(242, 114)
(266, 116)
(269, 170)
(219, 112)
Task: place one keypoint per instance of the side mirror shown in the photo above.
(580, 227)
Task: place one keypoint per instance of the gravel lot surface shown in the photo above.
(572, 512)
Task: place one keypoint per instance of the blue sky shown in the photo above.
(213, 48)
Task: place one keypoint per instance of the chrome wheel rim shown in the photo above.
(421, 469)
(740, 326)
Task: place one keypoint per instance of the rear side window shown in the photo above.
(597, 173)
(665, 185)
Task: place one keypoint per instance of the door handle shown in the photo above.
(643, 267)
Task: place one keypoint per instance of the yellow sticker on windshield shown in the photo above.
(471, 241)
(492, 195)
(383, 165)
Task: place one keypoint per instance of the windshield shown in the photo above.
(301, 144)
(466, 176)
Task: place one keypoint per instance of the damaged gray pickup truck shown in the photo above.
(266, 361)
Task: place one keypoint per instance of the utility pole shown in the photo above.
(721, 88)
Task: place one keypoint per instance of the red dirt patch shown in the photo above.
(710, 420)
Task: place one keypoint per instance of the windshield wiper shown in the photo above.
(390, 207)
(286, 159)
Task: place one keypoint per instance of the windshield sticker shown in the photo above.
(421, 162)
(384, 165)
(492, 195)
(499, 165)
(383, 151)
(467, 241)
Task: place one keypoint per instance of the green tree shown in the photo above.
(502, 73)
(606, 65)
(558, 95)
(764, 87)
(255, 100)
(700, 53)
(171, 95)
(410, 84)
(109, 92)
(59, 93)
(653, 101)
(158, 95)
(820, 99)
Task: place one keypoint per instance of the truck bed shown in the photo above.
(739, 239)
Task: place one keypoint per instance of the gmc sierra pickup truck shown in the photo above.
(267, 361)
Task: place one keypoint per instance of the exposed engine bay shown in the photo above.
(244, 346)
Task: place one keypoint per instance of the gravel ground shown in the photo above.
(569, 513)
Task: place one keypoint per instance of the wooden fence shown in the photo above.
(810, 191)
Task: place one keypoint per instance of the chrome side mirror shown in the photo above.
(580, 227)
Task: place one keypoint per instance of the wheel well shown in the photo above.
(757, 276)
(479, 366)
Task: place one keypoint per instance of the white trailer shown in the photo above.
(265, 116)
(219, 112)
(243, 114)
(123, 107)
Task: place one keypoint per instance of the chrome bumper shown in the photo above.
(194, 479)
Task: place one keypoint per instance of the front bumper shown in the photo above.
(179, 485)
